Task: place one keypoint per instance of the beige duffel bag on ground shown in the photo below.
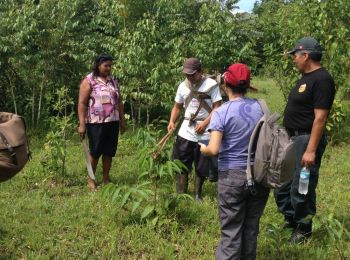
(14, 149)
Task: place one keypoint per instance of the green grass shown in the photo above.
(268, 90)
(44, 217)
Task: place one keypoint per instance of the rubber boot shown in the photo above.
(181, 183)
(199, 181)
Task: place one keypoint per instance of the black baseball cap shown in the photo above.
(307, 44)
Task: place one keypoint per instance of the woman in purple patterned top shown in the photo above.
(101, 114)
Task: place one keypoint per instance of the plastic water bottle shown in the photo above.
(304, 180)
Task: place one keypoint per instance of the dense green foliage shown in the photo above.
(45, 216)
(45, 46)
(49, 44)
(282, 22)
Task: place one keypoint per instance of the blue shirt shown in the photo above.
(236, 120)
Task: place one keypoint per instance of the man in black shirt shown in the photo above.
(305, 117)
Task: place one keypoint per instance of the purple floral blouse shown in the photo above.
(103, 101)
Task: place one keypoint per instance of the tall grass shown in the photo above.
(43, 217)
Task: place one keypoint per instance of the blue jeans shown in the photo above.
(298, 208)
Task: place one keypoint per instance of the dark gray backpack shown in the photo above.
(273, 151)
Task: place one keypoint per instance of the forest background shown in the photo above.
(48, 46)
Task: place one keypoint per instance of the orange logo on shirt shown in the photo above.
(302, 88)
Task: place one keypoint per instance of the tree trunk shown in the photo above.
(14, 100)
(147, 116)
(40, 100)
(139, 114)
(64, 140)
(12, 93)
(139, 106)
(33, 106)
(132, 114)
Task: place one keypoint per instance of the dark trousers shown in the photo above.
(188, 152)
(103, 138)
(298, 208)
(240, 214)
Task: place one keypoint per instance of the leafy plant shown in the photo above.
(153, 196)
(61, 125)
(338, 234)
(335, 121)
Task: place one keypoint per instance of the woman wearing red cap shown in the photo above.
(230, 129)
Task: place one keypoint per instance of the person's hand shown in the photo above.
(308, 158)
(203, 148)
(122, 126)
(82, 131)
(200, 128)
(171, 126)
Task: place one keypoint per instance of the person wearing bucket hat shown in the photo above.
(230, 129)
(198, 95)
(305, 116)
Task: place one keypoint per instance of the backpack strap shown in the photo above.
(200, 96)
(192, 91)
(10, 148)
(29, 153)
(252, 146)
(263, 106)
(271, 118)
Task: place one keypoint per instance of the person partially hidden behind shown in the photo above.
(101, 114)
(230, 129)
(305, 116)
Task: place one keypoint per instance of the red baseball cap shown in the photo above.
(238, 74)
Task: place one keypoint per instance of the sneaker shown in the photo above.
(299, 237)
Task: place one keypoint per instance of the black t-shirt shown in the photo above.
(314, 90)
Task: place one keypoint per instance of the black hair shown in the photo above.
(98, 61)
(240, 89)
(225, 67)
(315, 56)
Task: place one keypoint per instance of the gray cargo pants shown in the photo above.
(240, 214)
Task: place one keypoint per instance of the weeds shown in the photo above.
(55, 147)
(65, 221)
(337, 235)
(153, 194)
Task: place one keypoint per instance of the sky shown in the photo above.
(246, 5)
